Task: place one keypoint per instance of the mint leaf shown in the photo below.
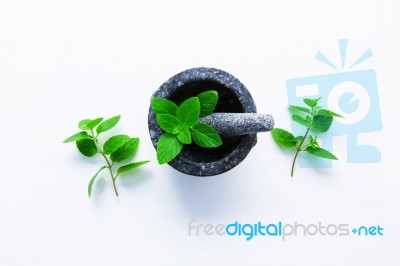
(92, 124)
(90, 186)
(88, 124)
(119, 147)
(130, 167)
(163, 106)
(168, 123)
(327, 113)
(298, 139)
(184, 136)
(181, 124)
(317, 118)
(319, 152)
(114, 143)
(83, 124)
(126, 151)
(299, 109)
(283, 137)
(311, 102)
(108, 124)
(322, 123)
(206, 136)
(87, 147)
(208, 101)
(77, 136)
(300, 120)
(313, 142)
(168, 147)
(189, 111)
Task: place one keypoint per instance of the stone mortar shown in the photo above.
(233, 97)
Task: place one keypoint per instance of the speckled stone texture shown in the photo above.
(233, 98)
(237, 124)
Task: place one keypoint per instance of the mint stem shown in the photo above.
(115, 188)
(109, 165)
(111, 173)
(298, 149)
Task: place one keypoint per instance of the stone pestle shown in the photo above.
(238, 124)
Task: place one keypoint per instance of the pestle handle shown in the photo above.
(237, 124)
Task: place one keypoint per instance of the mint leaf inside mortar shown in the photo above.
(181, 125)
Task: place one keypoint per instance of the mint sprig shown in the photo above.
(181, 124)
(116, 149)
(315, 118)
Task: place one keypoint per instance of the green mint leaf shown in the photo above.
(92, 124)
(168, 147)
(88, 124)
(126, 151)
(169, 123)
(90, 186)
(189, 111)
(283, 137)
(299, 139)
(322, 123)
(108, 124)
(83, 124)
(130, 167)
(208, 101)
(300, 120)
(119, 147)
(335, 114)
(299, 109)
(163, 106)
(313, 142)
(206, 136)
(317, 118)
(87, 147)
(77, 136)
(311, 102)
(184, 136)
(319, 152)
(327, 113)
(114, 143)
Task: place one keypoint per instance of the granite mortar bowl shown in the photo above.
(233, 97)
